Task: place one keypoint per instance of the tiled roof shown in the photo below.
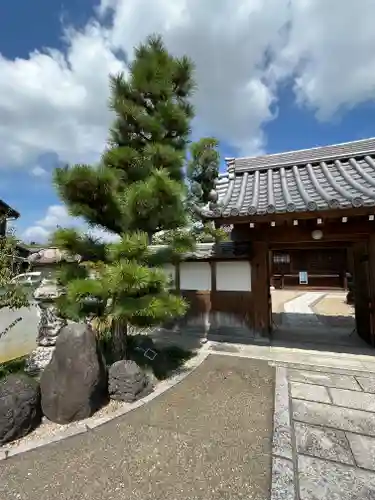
(48, 256)
(222, 250)
(8, 211)
(340, 176)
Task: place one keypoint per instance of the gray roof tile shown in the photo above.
(340, 176)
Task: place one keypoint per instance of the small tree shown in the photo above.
(202, 172)
(12, 295)
(137, 189)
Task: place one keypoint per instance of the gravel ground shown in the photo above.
(49, 429)
(207, 438)
(334, 311)
(279, 297)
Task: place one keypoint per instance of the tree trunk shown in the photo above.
(119, 338)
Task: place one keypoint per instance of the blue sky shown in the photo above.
(262, 88)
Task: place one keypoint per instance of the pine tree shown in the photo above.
(202, 172)
(136, 190)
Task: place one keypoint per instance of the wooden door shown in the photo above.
(260, 279)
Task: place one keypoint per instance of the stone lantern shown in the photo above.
(50, 323)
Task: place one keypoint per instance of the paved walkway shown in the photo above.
(324, 436)
(299, 313)
(323, 319)
(326, 359)
(210, 437)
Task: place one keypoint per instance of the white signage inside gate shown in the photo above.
(303, 278)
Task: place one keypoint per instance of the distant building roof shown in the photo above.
(221, 250)
(323, 178)
(6, 209)
(224, 249)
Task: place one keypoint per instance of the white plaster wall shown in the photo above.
(170, 271)
(195, 276)
(234, 276)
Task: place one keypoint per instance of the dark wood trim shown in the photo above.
(322, 214)
(177, 276)
(213, 275)
(298, 245)
(260, 287)
(332, 232)
(371, 256)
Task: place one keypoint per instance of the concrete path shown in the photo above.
(300, 356)
(210, 437)
(298, 311)
(324, 435)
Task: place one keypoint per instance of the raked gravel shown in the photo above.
(49, 432)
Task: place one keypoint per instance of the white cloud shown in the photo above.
(330, 53)
(57, 216)
(35, 234)
(228, 42)
(57, 102)
(38, 171)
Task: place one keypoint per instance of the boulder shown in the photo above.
(74, 383)
(20, 410)
(127, 381)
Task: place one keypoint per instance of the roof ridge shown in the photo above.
(304, 156)
(321, 153)
(303, 150)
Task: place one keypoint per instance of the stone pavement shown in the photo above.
(324, 435)
(207, 438)
(328, 359)
(299, 313)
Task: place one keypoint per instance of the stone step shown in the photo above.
(222, 335)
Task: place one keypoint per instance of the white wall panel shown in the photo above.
(195, 276)
(234, 276)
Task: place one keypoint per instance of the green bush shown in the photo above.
(167, 359)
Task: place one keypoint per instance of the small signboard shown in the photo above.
(303, 278)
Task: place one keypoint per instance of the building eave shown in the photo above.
(10, 212)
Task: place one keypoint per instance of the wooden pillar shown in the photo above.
(177, 278)
(362, 291)
(3, 225)
(260, 288)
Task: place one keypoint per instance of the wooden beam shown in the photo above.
(317, 214)
(351, 231)
(303, 245)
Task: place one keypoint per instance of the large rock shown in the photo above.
(74, 383)
(20, 410)
(127, 381)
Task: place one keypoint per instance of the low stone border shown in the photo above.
(283, 480)
(92, 422)
(323, 368)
